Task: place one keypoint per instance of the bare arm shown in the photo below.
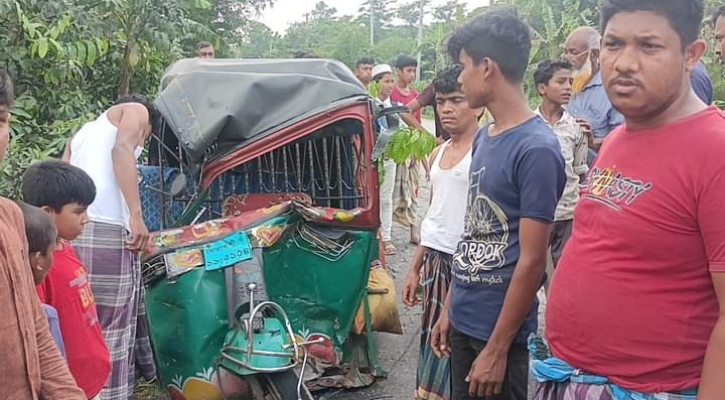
(541, 181)
(131, 130)
(66, 151)
(409, 119)
(416, 263)
(441, 330)
(529, 271)
(712, 385)
(412, 122)
(130, 133)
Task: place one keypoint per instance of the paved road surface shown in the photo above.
(398, 353)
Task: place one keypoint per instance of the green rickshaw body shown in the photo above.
(304, 193)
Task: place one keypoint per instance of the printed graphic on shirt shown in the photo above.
(83, 285)
(485, 239)
(613, 189)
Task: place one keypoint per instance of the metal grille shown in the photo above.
(326, 166)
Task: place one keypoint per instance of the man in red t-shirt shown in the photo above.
(639, 295)
(64, 192)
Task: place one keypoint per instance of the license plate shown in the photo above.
(226, 252)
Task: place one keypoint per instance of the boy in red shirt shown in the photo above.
(638, 298)
(42, 238)
(406, 68)
(64, 192)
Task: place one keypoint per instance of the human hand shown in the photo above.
(410, 289)
(439, 336)
(586, 129)
(485, 379)
(139, 235)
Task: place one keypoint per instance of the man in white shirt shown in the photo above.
(110, 247)
(553, 81)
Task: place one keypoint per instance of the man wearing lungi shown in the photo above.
(442, 228)
(107, 149)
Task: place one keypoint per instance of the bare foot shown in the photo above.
(414, 236)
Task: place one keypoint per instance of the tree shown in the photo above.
(71, 58)
(322, 11)
(259, 42)
(383, 13)
(408, 13)
(452, 14)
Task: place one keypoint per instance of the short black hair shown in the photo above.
(39, 229)
(720, 12)
(364, 61)
(7, 89)
(55, 184)
(405, 61)
(203, 44)
(447, 80)
(143, 100)
(498, 34)
(684, 16)
(547, 69)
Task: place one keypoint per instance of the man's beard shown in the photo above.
(582, 76)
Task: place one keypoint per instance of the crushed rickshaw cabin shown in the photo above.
(261, 190)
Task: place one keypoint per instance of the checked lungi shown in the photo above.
(115, 275)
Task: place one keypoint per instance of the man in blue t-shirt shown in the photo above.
(517, 177)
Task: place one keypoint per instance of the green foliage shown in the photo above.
(374, 89)
(346, 38)
(71, 58)
(407, 143)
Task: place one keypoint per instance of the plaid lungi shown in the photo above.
(115, 275)
(433, 378)
(405, 194)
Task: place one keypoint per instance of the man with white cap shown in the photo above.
(382, 85)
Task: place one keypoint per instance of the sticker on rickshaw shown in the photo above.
(168, 238)
(183, 261)
(226, 252)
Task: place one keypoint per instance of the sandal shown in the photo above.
(389, 249)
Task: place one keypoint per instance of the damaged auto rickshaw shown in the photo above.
(262, 190)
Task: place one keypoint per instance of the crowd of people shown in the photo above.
(617, 174)
(73, 302)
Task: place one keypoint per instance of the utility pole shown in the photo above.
(372, 23)
(421, 11)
